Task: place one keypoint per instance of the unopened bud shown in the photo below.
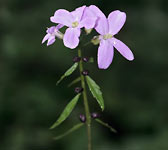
(85, 72)
(82, 118)
(95, 115)
(95, 40)
(78, 90)
(76, 59)
(85, 59)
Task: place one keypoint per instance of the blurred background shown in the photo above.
(135, 93)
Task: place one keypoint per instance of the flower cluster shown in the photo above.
(90, 18)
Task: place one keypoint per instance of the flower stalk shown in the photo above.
(85, 100)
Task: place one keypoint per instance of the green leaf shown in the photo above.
(106, 125)
(74, 81)
(68, 72)
(68, 109)
(95, 90)
(74, 128)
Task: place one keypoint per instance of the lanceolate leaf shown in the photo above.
(95, 90)
(74, 128)
(68, 72)
(106, 125)
(74, 81)
(68, 109)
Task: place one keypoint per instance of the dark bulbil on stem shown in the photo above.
(76, 59)
(85, 72)
(95, 115)
(82, 118)
(78, 90)
(85, 59)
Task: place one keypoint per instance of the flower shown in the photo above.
(74, 21)
(107, 28)
(52, 32)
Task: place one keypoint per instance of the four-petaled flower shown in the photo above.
(74, 21)
(52, 32)
(107, 28)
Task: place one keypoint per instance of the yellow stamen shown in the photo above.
(75, 24)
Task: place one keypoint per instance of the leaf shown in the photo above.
(96, 92)
(68, 109)
(68, 72)
(74, 128)
(106, 125)
(74, 81)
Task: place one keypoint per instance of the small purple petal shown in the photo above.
(102, 26)
(88, 22)
(116, 20)
(71, 37)
(59, 26)
(122, 49)
(45, 38)
(78, 12)
(105, 54)
(63, 17)
(51, 30)
(51, 40)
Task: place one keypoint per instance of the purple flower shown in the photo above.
(74, 21)
(107, 28)
(52, 32)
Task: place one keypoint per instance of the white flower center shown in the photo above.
(107, 36)
(75, 24)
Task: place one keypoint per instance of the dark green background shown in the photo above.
(135, 93)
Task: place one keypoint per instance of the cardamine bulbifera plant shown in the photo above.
(87, 18)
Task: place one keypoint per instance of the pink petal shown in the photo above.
(63, 17)
(77, 14)
(102, 26)
(88, 22)
(71, 37)
(122, 48)
(96, 11)
(51, 40)
(105, 54)
(116, 20)
(45, 38)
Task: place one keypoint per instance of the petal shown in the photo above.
(59, 26)
(97, 11)
(63, 17)
(102, 26)
(77, 14)
(122, 48)
(71, 37)
(116, 20)
(51, 40)
(88, 22)
(51, 30)
(105, 54)
(45, 38)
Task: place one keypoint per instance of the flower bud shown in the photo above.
(76, 59)
(95, 115)
(95, 40)
(85, 59)
(78, 90)
(82, 118)
(85, 72)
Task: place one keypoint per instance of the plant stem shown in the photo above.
(87, 111)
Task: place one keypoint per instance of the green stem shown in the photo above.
(87, 111)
